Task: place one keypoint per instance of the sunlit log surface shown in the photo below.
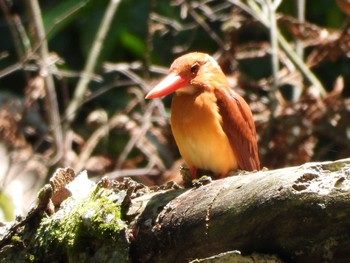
(300, 214)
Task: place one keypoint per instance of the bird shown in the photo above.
(344, 5)
(212, 124)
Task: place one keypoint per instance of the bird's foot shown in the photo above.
(189, 177)
(204, 180)
(186, 176)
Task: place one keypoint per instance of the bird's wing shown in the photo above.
(238, 124)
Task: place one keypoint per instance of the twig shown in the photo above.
(137, 133)
(94, 139)
(10, 69)
(82, 85)
(254, 10)
(301, 19)
(20, 39)
(29, 53)
(205, 26)
(16, 28)
(272, 8)
(149, 40)
(297, 90)
(51, 98)
(68, 13)
(109, 67)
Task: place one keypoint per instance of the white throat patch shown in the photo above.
(186, 90)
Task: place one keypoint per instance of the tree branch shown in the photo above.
(45, 71)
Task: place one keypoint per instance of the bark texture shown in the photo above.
(297, 214)
(300, 214)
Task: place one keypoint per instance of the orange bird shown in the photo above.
(213, 126)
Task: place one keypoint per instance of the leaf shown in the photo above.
(58, 17)
(133, 43)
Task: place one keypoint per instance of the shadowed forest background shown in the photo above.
(73, 76)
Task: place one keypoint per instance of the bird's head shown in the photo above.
(190, 73)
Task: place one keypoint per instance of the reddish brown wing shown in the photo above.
(238, 124)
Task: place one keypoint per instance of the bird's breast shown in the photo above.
(196, 126)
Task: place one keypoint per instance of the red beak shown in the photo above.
(168, 85)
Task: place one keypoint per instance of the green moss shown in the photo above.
(6, 207)
(31, 258)
(16, 239)
(83, 227)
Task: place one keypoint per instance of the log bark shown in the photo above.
(300, 214)
(296, 214)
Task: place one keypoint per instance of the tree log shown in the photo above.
(297, 214)
(300, 214)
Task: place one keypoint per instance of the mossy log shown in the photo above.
(298, 214)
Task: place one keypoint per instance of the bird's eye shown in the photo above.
(195, 68)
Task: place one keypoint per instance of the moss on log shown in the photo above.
(298, 214)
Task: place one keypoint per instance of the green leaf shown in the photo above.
(132, 42)
(61, 15)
